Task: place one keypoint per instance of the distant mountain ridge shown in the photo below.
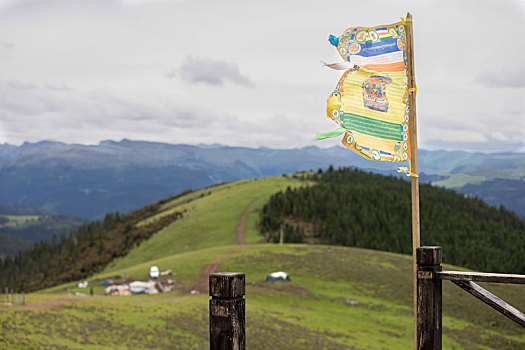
(17, 209)
(90, 181)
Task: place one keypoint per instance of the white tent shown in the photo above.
(139, 287)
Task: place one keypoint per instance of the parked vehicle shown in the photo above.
(154, 272)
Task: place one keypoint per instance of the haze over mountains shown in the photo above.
(90, 181)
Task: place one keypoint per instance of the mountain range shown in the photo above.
(89, 181)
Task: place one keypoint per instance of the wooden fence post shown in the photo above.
(227, 311)
(429, 298)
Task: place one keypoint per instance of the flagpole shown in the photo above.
(414, 180)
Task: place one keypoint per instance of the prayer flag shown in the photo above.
(370, 102)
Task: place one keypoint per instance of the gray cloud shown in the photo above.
(36, 112)
(22, 85)
(59, 87)
(22, 99)
(25, 85)
(196, 70)
(6, 46)
(504, 77)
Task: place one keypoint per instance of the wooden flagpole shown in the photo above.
(414, 182)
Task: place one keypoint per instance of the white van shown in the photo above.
(154, 272)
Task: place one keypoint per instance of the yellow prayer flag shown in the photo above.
(370, 101)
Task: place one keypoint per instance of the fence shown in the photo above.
(12, 298)
(429, 294)
(227, 304)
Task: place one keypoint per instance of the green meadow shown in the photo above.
(338, 297)
(210, 219)
(477, 177)
(16, 220)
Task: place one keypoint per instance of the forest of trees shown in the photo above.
(355, 208)
(83, 252)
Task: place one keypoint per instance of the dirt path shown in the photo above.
(240, 226)
(202, 284)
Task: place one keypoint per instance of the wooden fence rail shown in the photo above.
(429, 295)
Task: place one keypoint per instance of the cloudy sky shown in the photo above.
(247, 73)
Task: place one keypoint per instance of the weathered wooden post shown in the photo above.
(429, 298)
(227, 311)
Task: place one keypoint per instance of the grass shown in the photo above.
(477, 177)
(325, 278)
(209, 220)
(109, 323)
(314, 311)
(339, 297)
(17, 220)
(459, 180)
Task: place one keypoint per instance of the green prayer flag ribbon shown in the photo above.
(330, 134)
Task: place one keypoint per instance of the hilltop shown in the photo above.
(339, 297)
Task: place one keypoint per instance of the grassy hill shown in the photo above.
(210, 219)
(339, 297)
(504, 186)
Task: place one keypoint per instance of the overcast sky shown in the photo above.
(246, 73)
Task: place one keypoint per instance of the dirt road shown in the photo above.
(202, 284)
(240, 226)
